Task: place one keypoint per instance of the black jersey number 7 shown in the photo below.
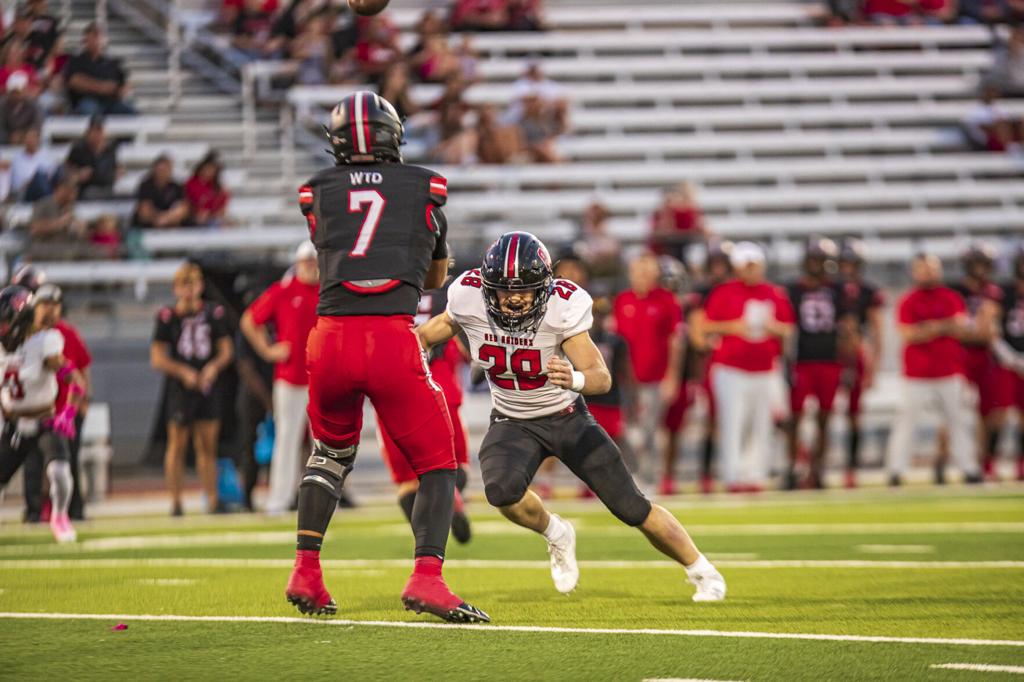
(372, 203)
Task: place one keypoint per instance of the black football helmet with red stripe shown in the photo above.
(365, 124)
(16, 309)
(517, 262)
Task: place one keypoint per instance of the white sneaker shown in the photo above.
(564, 570)
(709, 583)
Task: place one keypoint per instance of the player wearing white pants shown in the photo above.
(290, 426)
(931, 319)
(744, 412)
(752, 317)
(916, 398)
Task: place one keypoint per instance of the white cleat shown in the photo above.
(564, 570)
(709, 583)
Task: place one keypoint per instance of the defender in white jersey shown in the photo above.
(33, 367)
(530, 333)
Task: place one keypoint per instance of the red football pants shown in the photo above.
(377, 357)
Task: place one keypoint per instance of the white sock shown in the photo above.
(701, 565)
(555, 529)
(59, 473)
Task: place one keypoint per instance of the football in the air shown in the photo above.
(367, 7)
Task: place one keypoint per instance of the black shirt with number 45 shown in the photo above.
(819, 309)
(192, 338)
(376, 227)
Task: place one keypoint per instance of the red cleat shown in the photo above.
(851, 478)
(988, 467)
(707, 485)
(306, 586)
(427, 591)
(668, 486)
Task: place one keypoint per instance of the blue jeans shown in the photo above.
(89, 106)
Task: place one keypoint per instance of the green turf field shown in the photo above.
(861, 585)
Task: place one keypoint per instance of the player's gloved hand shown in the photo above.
(63, 423)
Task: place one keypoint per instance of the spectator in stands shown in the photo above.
(982, 11)
(677, 223)
(990, 127)
(436, 61)
(93, 162)
(496, 143)
(32, 169)
(479, 15)
(1007, 75)
(96, 83)
(907, 12)
(105, 237)
(525, 15)
(649, 318)
(314, 50)
(231, 9)
(54, 231)
(596, 245)
(533, 83)
(19, 112)
(377, 47)
(394, 87)
(19, 30)
(541, 128)
(13, 61)
(160, 201)
(458, 141)
(252, 32)
(207, 197)
(44, 34)
(844, 11)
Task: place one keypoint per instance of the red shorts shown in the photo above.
(377, 357)
(609, 417)
(1009, 388)
(853, 378)
(818, 379)
(398, 464)
(677, 410)
(982, 370)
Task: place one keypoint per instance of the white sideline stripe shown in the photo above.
(896, 549)
(520, 628)
(683, 679)
(346, 564)
(168, 582)
(981, 667)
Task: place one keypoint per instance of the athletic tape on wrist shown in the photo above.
(578, 381)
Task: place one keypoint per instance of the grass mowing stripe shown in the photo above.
(981, 667)
(488, 563)
(522, 628)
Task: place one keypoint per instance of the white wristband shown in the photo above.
(578, 381)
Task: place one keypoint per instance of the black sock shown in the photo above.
(316, 506)
(853, 453)
(707, 455)
(432, 512)
(1020, 446)
(461, 479)
(406, 502)
(993, 444)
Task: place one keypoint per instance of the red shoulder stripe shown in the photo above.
(438, 185)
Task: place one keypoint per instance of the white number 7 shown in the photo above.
(356, 199)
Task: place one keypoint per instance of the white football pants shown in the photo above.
(290, 426)
(919, 395)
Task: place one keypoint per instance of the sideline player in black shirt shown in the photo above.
(820, 308)
(380, 236)
(192, 346)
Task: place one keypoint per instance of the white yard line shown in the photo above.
(344, 564)
(981, 667)
(896, 549)
(683, 679)
(873, 639)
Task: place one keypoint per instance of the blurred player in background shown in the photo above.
(444, 361)
(819, 305)
(254, 405)
(191, 345)
(531, 333)
(697, 362)
(290, 306)
(753, 318)
(983, 300)
(380, 236)
(1009, 350)
(33, 369)
(860, 343)
(649, 318)
(931, 318)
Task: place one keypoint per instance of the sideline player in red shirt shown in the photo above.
(931, 319)
(753, 318)
(820, 310)
(290, 305)
(1010, 353)
(984, 301)
(860, 343)
(650, 319)
(445, 360)
(380, 237)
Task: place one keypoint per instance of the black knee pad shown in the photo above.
(631, 509)
(329, 467)
(504, 494)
